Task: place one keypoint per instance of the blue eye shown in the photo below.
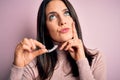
(67, 13)
(51, 17)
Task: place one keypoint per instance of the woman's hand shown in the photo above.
(74, 46)
(26, 51)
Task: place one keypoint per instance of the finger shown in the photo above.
(74, 32)
(37, 43)
(68, 46)
(25, 41)
(32, 43)
(28, 44)
(71, 49)
(27, 48)
(39, 52)
(63, 45)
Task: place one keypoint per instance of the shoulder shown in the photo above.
(95, 53)
(98, 57)
(98, 65)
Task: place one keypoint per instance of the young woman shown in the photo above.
(57, 24)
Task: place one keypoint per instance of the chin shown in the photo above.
(64, 39)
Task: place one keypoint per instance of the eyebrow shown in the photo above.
(53, 12)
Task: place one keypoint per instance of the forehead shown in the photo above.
(55, 5)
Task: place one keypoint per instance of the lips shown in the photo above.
(64, 30)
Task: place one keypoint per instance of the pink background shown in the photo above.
(99, 20)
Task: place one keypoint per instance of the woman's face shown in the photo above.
(58, 20)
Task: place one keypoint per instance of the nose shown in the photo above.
(62, 20)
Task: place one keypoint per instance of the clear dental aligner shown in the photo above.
(50, 50)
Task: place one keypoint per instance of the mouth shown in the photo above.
(64, 30)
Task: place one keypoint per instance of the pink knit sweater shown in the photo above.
(94, 72)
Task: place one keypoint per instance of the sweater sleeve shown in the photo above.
(16, 73)
(28, 72)
(94, 72)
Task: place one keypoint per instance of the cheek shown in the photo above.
(52, 29)
(70, 22)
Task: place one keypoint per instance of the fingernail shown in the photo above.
(43, 46)
(46, 50)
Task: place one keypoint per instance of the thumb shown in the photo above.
(39, 52)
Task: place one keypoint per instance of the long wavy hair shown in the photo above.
(47, 62)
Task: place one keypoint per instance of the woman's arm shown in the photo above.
(16, 73)
(28, 72)
(76, 49)
(95, 72)
(25, 53)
